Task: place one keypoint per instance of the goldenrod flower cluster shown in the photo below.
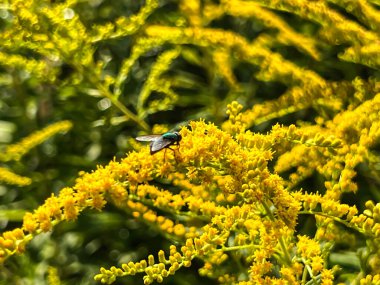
(9, 177)
(53, 277)
(18, 150)
(226, 184)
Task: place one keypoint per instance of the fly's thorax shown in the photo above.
(172, 136)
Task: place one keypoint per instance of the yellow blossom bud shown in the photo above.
(368, 224)
(326, 143)
(148, 280)
(131, 264)
(178, 256)
(352, 212)
(262, 164)
(173, 268)
(138, 266)
(189, 243)
(173, 249)
(367, 213)
(172, 259)
(164, 273)
(149, 271)
(7, 243)
(198, 243)
(18, 234)
(252, 174)
(319, 139)
(179, 230)
(161, 256)
(151, 260)
(161, 266)
(117, 271)
(376, 210)
(336, 143)
(317, 264)
(159, 279)
(370, 205)
(291, 130)
(376, 228)
(143, 263)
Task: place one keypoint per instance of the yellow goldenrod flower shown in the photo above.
(12, 178)
(258, 223)
(16, 151)
(53, 277)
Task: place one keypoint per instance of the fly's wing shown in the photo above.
(159, 144)
(148, 138)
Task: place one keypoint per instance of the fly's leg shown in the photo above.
(177, 149)
(165, 155)
(177, 143)
(175, 155)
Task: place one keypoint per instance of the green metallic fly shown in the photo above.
(159, 142)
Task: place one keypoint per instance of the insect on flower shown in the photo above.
(159, 142)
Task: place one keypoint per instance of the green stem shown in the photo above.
(304, 275)
(106, 93)
(286, 255)
(336, 219)
(87, 71)
(236, 247)
(92, 77)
